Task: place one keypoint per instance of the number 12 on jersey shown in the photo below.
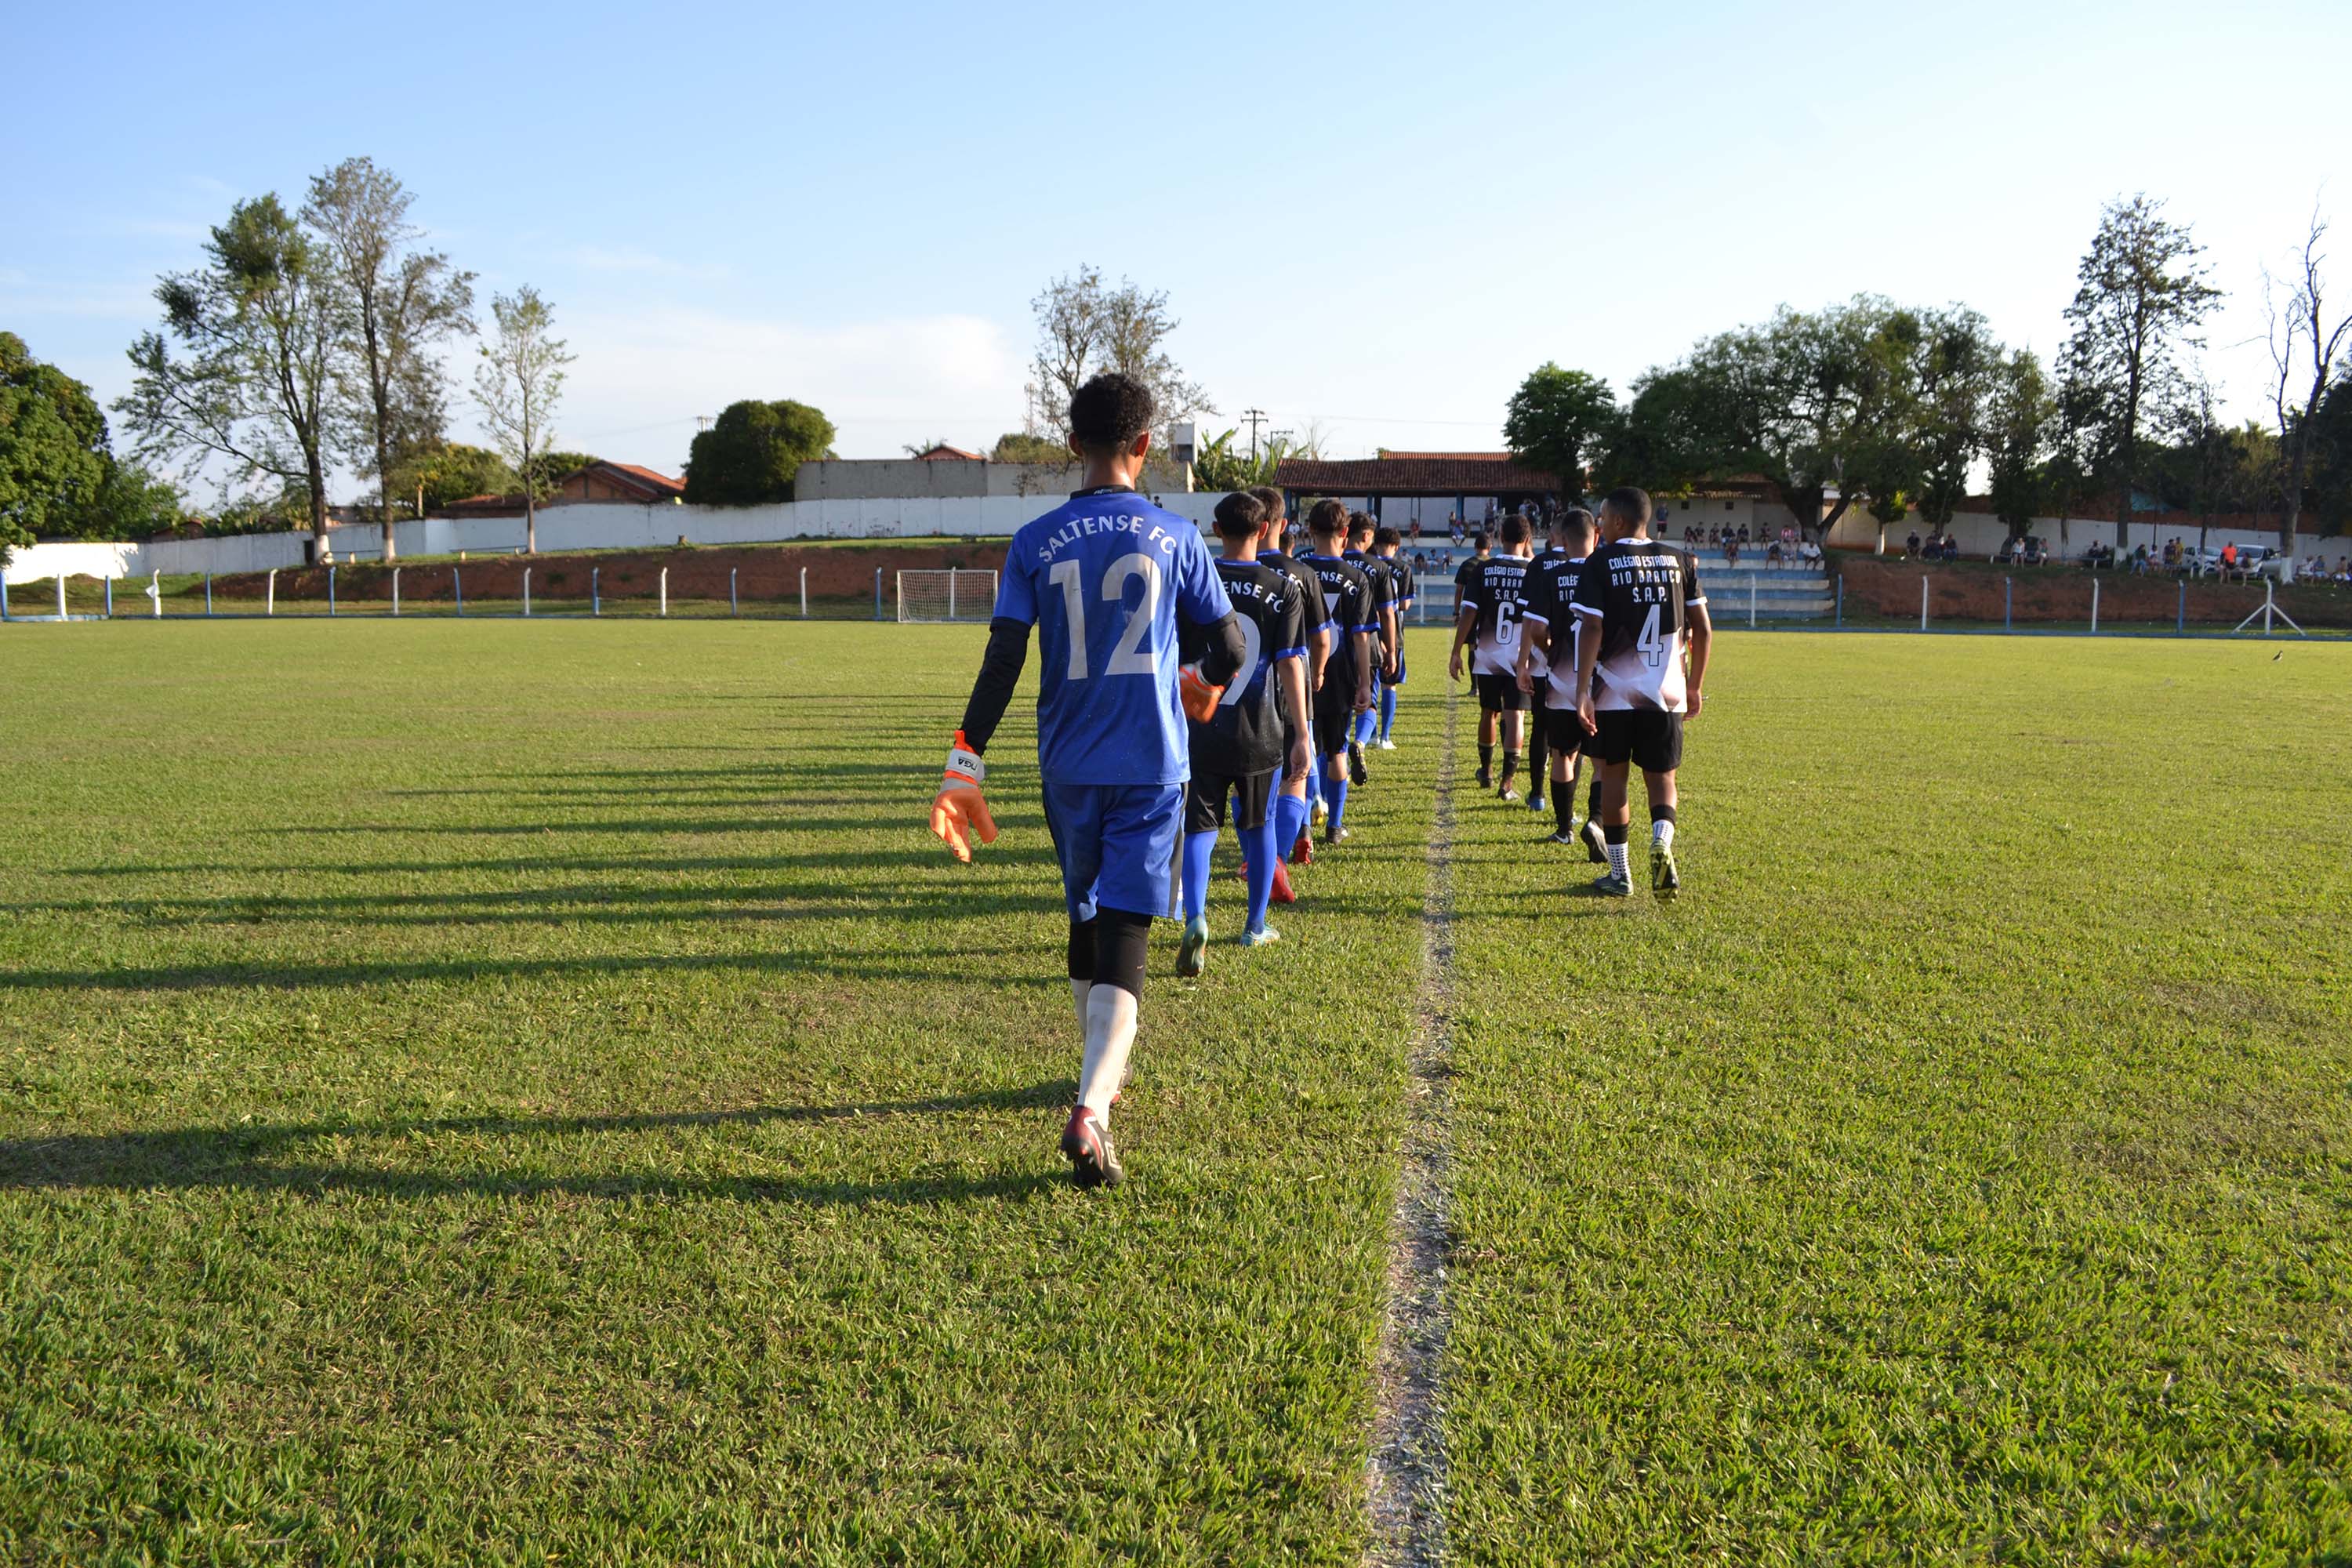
(1128, 656)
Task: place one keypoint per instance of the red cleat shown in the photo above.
(1086, 1143)
(1303, 852)
(1282, 893)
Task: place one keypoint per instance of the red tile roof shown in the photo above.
(945, 453)
(1413, 474)
(1458, 456)
(660, 483)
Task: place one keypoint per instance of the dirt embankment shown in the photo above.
(1964, 591)
(763, 572)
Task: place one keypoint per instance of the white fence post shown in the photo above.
(1751, 601)
(270, 603)
(664, 592)
(61, 595)
(156, 592)
(734, 608)
(525, 592)
(595, 591)
(396, 590)
(2094, 601)
(208, 594)
(331, 593)
(110, 598)
(804, 593)
(1923, 603)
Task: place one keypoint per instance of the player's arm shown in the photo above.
(1318, 653)
(1389, 633)
(1698, 641)
(1366, 648)
(1466, 627)
(1291, 672)
(1588, 654)
(960, 812)
(1202, 604)
(1535, 638)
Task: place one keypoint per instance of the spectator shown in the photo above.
(2229, 562)
(1772, 555)
(1911, 546)
(1731, 552)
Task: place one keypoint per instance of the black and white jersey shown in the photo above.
(1382, 580)
(1401, 572)
(1498, 592)
(1347, 601)
(1551, 601)
(1244, 736)
(1465, 574)
(1637, 595)
(1309, 585)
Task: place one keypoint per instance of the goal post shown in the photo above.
(949, 593)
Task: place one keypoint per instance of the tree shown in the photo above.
(753, 451)
(1219, 464)
(452, 471)
(2205, 460)
(133, 504)
(254, 380)
(402, 302)
(2303, 344)
(53, 448)
(2139, 301)
(1085, 329)
(1021, 446)
(2331, 457)
(2019, 416)
(1673, 435)
(1559, 421)
(518, 385)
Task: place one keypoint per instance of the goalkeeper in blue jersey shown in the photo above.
(1107, 578)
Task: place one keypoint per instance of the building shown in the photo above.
(599, 484)
(1401, 487)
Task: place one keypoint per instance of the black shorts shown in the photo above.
(1650, 739)
(1563, 731)
(1204, 799)
(1334, 722)
(1501, 694)
(1398, 679)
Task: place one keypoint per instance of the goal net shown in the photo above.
(956, 594)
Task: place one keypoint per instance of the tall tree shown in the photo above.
(53, 448)
(1085, 329)
(2307, 353)
(254, 380)
(518, 384)
(752, 452)
(2019, 414)
(403, 300)
(2205, 458)
(1561, 421)
(2140, 298)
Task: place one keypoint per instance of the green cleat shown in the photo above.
(1665, 880)
(1260, 937)
(1612, 886)
(1195, 954)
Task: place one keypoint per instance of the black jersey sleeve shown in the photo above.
(1691, 593)
(1592, 586)
(1543, 597)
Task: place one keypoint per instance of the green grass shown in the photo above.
(502, 1092)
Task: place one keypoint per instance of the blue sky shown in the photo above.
(1377, 218)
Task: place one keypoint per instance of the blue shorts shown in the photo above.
(1116, 844)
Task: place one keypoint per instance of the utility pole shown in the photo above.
(1256, 416)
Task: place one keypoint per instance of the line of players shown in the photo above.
(1324, 657)
(1610, 626)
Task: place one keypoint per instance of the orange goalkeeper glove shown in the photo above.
(960, 814)
(1199, 699)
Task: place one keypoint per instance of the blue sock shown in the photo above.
(1337, 790)
(1364, 723)
(1197, 847)
(1289, 820)
(1313, 786)
(1258, 848)
(1388, 710)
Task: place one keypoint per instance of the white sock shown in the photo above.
(1618, 863)
(1110, 1034)
(1662, 834)
(1079, 990)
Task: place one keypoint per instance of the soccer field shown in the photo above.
(488, 1091)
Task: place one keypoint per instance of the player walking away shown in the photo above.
(1547, 665)
(1642, 597)
(1291, 807)
(1347, 677)
(1107, 579)
(1359, 555)
(1257, 726)
(1486, 623)
(1533, 671)
(1385, 544)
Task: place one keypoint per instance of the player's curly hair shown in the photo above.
(1327, 519)
(1109, 412)
(1384, 536)
(1628, 504)
(1239, 515)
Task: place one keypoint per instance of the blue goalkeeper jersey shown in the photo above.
(1104, 578)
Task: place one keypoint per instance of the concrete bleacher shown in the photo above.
(1794, 590)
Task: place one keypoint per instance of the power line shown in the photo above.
(1256, 416)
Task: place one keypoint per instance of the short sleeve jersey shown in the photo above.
(1309, 584)
(1106, 577)
(1498, 592)
(1378, 577)
(1551, 595)
(1244, 736)
(1405, 592)
(1465, 573)
(1637, 595)
(1347, 599)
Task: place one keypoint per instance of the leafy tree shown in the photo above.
(2331, 470)
(2140, 299)
(753, 451)
(133, 504)
(2307, 354)
(518, 385)
(1675, 434)
(2019, 416)
(1559, 421)
(403, 300)
(562, 466)
(1085, 329)
(254, 379)
(1218, 464)
(53, 448)
(453, 471)
(1021, 446)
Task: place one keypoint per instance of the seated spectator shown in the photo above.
(1731, 552)
(1743, 534)
(1809, 552)
(1910, 551)
(1772, 555)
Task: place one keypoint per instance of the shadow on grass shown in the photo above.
(267, 1158)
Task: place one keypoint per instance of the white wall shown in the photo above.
(1980, 534)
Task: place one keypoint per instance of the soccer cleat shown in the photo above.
(1596, 842)
(1194, 953)
(1665, 880)
(1485, 777)
(1303, 852)
(1282, 893)
(1386, 744)
(1337, 836)
(1356, 773)
(1086, 1144)
(1319, 810)
(1260, 937)
(1612, 886)
(1558, 835)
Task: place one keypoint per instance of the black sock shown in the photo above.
(1564, 806)
(1485, 755)
(1592, 797)
(1662, 813)
(1510, 766)
(1536, 746)
(1615, 832)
